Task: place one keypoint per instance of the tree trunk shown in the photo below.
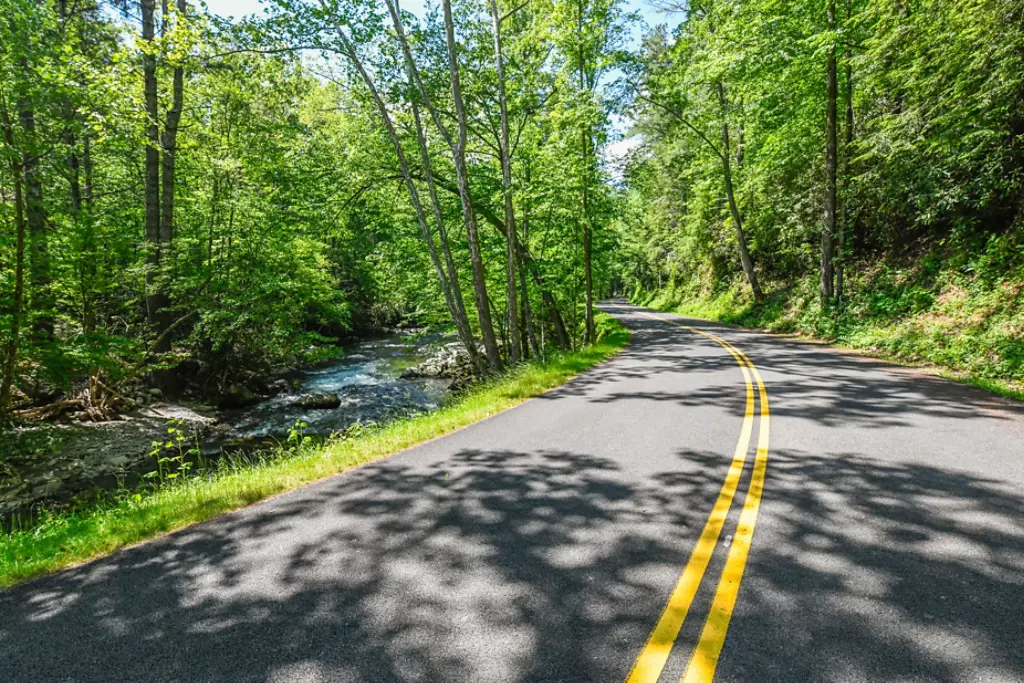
(13, 338)
(511, 249)
(169, 148)
(75, 190)
(89, 266)
(548, 300)
(457, 303)
(734, 211)
(468, 214)
(528, 262)
(531, 333)
(86, 256)
(457, 306)
(40, 278)
(457, 148)
(524, 308)
(556, 319)
(844, 226)
(154, 298)
(588, 277)
(460, 319)
(828, 230)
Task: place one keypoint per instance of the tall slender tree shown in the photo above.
(453, 285)
(587, 166)
(466, 200)
(156, 297)
(828, 230)
(505, 153)
(169, 158)
(730, 193)
(17, 309)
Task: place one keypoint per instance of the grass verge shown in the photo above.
(68, 537)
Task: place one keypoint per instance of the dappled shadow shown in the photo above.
(655, 349)
(868, 570)
(494, 565)
(510, 566)
(808, 381)
(525, 563)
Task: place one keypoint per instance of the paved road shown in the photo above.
(544, 544)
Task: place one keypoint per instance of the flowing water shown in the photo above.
(366, 380)
(81, 459)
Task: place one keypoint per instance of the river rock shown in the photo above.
(319, 401)
(66, 460)
(450, 362)
(278, 386)
(256, 383)
(238, 397)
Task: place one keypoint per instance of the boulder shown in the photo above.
(256, 383)
(461, 384)
(238, 397)
(278, 386)
(319, 401)
(450, 361)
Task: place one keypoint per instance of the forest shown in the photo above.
(845, 169)
(227, 246)
(190, 203)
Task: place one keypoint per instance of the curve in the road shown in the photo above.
(540, 545)
(701, 669)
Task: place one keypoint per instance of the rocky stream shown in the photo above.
(376, 380)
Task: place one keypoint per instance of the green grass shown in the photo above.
(965, 325)
(66, 537)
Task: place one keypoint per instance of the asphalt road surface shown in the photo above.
(595, 534)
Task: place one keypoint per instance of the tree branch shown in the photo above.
(682, 119)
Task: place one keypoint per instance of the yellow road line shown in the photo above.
(705, 657)
(651, 660)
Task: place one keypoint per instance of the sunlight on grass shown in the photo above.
(68, 537)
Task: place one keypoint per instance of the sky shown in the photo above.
(241, 8)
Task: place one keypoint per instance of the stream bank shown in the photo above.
(377, 379)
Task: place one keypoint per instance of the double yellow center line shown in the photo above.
(701, 669)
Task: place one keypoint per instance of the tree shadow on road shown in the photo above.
(812, 382)
(509, 566)
(516, 566)
(866, 570)
(486, 566)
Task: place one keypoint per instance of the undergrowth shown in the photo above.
(963, 314)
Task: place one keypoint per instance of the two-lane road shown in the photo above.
(614, 528)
